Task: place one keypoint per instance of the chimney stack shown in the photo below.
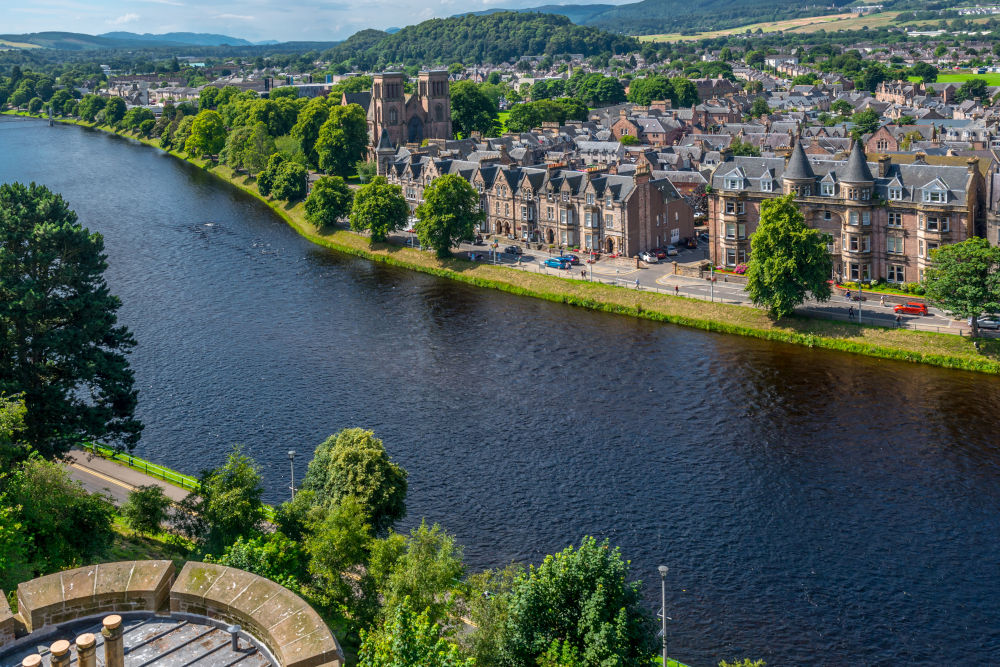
(920, 158)
(973, 164)
(884, 163)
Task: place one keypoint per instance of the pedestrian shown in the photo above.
(881, 301)
(637, 283)
(583, 274)
(848, 295)
(677, 290)
(850, 313)
(899, 321)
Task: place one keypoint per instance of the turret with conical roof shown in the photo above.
(798, 177)
(857, 170)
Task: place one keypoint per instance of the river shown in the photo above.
(813, 507)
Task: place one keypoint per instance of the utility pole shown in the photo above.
(291, 460)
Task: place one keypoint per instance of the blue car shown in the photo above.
(556, 263)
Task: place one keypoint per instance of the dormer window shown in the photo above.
(827, 189)
(609, 201)
(590, 197)
(934, 196)
(734, 183)
(765, 185)
(896, 193)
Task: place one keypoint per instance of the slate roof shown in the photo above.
(798, 165)
(857, 167)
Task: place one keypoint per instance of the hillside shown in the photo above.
(477, 38)
(578, 14)
(196, 38)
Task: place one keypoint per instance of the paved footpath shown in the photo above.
(101, 475)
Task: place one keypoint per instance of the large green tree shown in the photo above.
(306, 129)
(788, 261)
(329, 201)
(472, 110)
(114, 110)
(342, 140)
(972, 89)
(226, 506)
(290, 182)
(208, 134)
(964, 279)
(354, 463)
(338, 545)
(581, 597)
(448, 214)
(60, 344)
(146, 509)
(12, 447)
(379, 208)
(866, 122)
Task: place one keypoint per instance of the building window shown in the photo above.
(549, 213)
(498, 208)
(852, 218)
(741, 255)
(590, 198)
(741, 207)
(895, 273)
(562, 217)
(609, 221)
(730, 230)
(894, 244)
(565, 196)
(931, 247)
(587, 219)
(730, 257)
(393, 116)
(920, 247)
(895, 219)
(730, 206)
(896, 194)
(826, 189)
(866, 217)
(934, 196)
(741, 230)
(734, 183)
(827, 215)
(609, 201)
(765, 185)
(937, 224)
(524, 213)
(866, 194)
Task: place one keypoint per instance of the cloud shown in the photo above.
(172, 3)
(236, 17)
(125, 18)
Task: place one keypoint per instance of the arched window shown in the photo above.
(393, 116)
(439, 113)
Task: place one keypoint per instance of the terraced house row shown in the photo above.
(592, 209)
(881, 220)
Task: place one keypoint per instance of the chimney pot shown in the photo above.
(86, 650)
(60, 653)
(34, 660)
(114, 645)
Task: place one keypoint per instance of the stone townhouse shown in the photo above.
(592, 209)
(881, 220)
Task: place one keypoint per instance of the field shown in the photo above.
(991, 78)
(805, 24)
(18, 45)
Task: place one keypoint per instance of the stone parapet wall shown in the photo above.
(96, 589)
(10, 625)
(293, 632)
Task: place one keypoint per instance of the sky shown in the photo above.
(255, 20)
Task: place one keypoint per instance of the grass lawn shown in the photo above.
(842, 21)
(503, 116)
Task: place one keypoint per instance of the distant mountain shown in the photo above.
(69, 41)
(195, 38)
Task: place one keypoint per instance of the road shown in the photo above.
(99, 475)
(660, 277)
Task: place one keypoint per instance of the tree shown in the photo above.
(258, 149)
(964, 279)
(866, 122)
(842, 107)
(745, 662)
(759, 108)
(329, 201)
(306, 129)
(209, 97)
(646, 90)
(226, 506)
(14, 547)
(62, 349)
(114, 110)
(408, 639)
(13, 450)
(928, 73)
(353, 462)
(290, 182)
(272, 555)
(744, 148)
(423, 567)
(208, 134)
(379, 208)
(448, 214)
(146, 509)
(471, 110)
(629, 140)
(265, 180)
(67, 526)
(366, 170)
(337, 545)
(35, 104)
(972, 89)
(581, 597)
(788, 260)
(486, 603)
(342, 140)
(685, 92)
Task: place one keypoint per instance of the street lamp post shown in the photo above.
(663, 611)
(291, 461)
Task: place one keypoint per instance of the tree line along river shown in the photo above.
(813, 507)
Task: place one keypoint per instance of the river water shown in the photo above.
(813, 507)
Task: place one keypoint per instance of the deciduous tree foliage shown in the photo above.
(448, 214)
(580, 597)
(208, 134)
(290, 182)
(788, 261)
(342, 140)
(145, 509)
(964, 279)
(472, 110)
(329, 201)
(379, 208)
(61, 346)
(114, 110)
(354, 463)
(408, 639)
(308, 125)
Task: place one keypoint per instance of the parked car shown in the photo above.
(648, 257)
(556, 263)
(703, 237)
(659, 252)
(692, 242)
(571, 259)
(512, 250)
(911, 308)
(671, 250)
(987, 322)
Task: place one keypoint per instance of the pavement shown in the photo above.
(103, 476)
(660, 278)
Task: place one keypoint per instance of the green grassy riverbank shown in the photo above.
(936, 349)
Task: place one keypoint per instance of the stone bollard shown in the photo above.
(114, 644)
(86, 650)
(32, 661)
(60, 653)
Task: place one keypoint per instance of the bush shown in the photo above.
(146, 509)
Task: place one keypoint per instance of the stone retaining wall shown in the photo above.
(96, 589)
(10, 625)
(293, 632)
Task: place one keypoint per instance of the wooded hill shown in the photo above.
(491, 38)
